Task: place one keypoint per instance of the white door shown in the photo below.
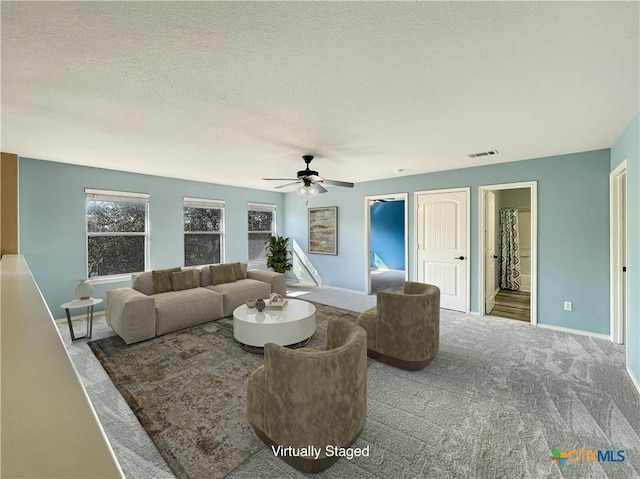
(491, 257)
(442, 245)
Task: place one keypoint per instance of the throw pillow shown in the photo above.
(222, 273)
(162, 280)
(237, 269)
(183, 280)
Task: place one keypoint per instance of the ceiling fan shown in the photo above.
(310, 182)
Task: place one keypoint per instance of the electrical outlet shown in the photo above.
(568, 306)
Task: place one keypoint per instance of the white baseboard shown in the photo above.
(302, 284)
(345, 289)
(326, 286)
(574, 331)
(634, 379)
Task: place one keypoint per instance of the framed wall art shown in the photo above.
(323, 230)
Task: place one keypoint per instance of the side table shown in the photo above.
(81, 303)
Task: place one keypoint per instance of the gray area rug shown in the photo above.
(188, 390)
(494, 403)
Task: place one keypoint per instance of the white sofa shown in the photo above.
(139, 313)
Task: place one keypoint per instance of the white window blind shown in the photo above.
(202, 203)
(121, 196)
(260, 207)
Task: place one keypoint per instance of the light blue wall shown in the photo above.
(52, 220)
(387, 233)
(628, 148)
(573, 228)
(573, 231)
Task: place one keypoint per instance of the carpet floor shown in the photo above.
(391, 280)
(188, 390)
(494, 403)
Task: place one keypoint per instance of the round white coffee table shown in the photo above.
(292, 326)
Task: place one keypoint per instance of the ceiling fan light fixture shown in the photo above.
(307, 190)
(309, 182)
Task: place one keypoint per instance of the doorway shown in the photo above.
(386, 243)
(508, 242)
(618, 214)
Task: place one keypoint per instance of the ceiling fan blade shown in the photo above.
(346, 184)
(287, 184)
(321, 189)
(309, 177)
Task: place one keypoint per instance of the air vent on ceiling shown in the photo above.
(483, 153)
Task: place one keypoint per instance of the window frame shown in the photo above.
(269, 207)
(92, 194)
(204, 203)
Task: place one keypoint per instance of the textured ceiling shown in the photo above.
(230, 92)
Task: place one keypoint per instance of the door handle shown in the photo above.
(459, 257)
(495, 257)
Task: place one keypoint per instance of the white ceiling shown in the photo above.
(230, 92)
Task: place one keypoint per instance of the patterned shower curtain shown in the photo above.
(509, 249)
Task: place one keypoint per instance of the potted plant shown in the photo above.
(278, 254)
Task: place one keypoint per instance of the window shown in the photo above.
(116, 232)
(261, 225)
(203, 231)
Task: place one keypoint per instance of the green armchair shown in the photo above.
(307, 397)
(403, 330)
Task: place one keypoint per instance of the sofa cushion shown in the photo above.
(237, 270)
(183, 280)
(162, 280)
(181, 309)
(278, 281)
(205, 274)
(142, 282)
(222, 273)
(238, 292)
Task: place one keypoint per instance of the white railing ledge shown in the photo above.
(49, 427)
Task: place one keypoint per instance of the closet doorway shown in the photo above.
(508, 224)
(386, 242)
